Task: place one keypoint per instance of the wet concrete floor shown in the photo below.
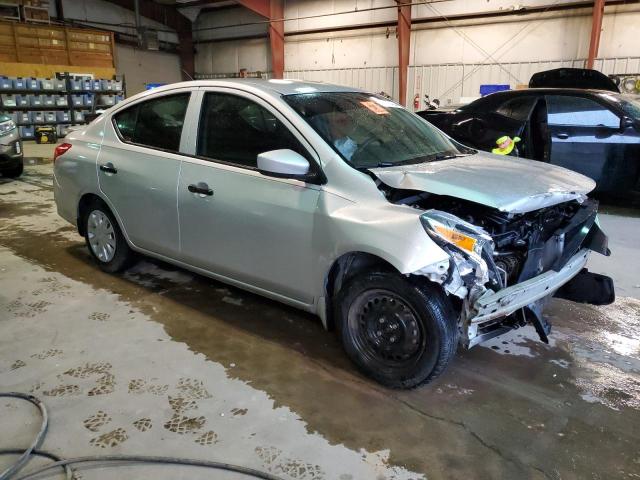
(181, 357)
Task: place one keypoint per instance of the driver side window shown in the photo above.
(579, 112)
(235, 130)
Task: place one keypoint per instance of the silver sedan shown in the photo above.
(338, 202)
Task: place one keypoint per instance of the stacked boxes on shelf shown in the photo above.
(61, 101)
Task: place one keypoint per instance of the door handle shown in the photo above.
(562, 136)
(200, 188)
(108, 168)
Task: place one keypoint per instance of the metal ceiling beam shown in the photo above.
(404, 44)
(596, 29)
(171, 17)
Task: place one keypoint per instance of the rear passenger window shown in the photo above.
(235, 130)
(156, 123)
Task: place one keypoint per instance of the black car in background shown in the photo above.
(594, 132)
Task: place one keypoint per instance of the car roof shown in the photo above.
(494, 98)
(282, 87)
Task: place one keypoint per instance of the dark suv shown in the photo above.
(10, 148)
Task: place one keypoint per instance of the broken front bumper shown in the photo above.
(562, 259)
(496, 305)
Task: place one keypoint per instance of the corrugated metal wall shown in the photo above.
(450, 82)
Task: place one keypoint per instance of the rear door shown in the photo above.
(139, 166)
(240, 224)
(586, 136)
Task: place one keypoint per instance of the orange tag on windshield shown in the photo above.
(375, 108)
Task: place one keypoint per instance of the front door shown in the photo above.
(236, 222)
(585, 137)
(138, 169)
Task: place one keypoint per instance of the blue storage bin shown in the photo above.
(27, 133)
(487, 89)
(22, 100)
(6, 83)
(76, 84)
(119, 98)
(49, 100)
(24, 118)
(59, 85)
(63, 116)
(107, 85)
(19, 83)
(87, 83)
(77, 100)
(117, 85)
(62, 101)
(89, 99)
(47, 84)
(107, 100)
(32, 83)
(8, 100)
(50, 117)
(97, 84)
(61, 130)
(36, 100)
(37, 117)
(78, 117)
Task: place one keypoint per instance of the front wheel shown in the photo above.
(398, 333)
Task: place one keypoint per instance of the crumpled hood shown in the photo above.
(510, 184)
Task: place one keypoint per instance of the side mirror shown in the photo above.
(283, 163)
(627, 122)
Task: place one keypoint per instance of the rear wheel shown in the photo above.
(104, 239)
(398, 333)
(14, 172)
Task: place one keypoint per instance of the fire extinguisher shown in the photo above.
(416, 102)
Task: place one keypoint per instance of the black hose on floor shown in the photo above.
(26, 455)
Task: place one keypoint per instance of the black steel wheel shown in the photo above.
(397, 332)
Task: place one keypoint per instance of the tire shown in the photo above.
(15, 171)
(400, 334)
(104, 238)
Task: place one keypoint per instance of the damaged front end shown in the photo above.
(505, 267)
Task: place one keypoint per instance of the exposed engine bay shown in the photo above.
(511, 233)
(512, 248)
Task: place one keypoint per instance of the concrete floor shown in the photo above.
(161, 361)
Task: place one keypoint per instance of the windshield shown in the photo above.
(370, 131)
(631, 105)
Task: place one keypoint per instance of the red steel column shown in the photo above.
(273, 10)
(404, 43)
(596, 29)
(276, 37)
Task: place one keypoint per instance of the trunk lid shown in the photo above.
(510, 184)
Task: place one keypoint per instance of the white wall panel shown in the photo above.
(143, 66)
(374, 79)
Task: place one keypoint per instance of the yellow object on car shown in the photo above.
(505, 145)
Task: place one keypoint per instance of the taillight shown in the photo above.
(60, 149)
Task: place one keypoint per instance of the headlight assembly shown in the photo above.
(446, 228)
(7, 126)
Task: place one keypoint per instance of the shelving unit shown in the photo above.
(44, 102)
(9, 11)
